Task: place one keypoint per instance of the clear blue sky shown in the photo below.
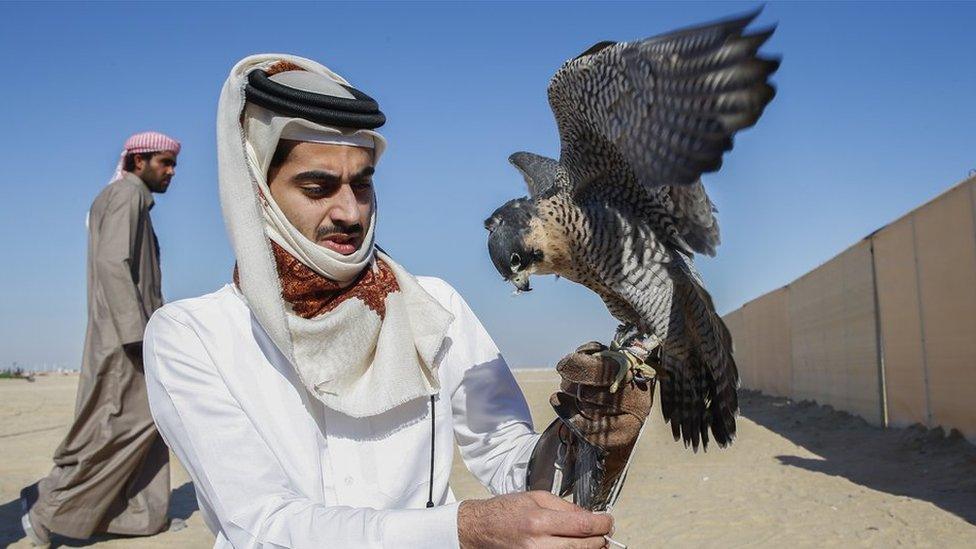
(875, 114)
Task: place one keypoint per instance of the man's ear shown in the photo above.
(139, 162)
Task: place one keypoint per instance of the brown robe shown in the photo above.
(111, 472)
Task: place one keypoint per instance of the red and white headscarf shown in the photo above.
(145, 142)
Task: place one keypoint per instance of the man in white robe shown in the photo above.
(316, 400)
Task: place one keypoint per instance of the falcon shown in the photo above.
(623, 211)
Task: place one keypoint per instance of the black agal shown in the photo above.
(362, 112)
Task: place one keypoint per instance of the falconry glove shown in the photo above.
(602, 403)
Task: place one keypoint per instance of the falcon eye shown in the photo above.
(516, 261)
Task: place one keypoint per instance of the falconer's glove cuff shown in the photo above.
(602, 403)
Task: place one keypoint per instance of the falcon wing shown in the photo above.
(538, 171)
(693, 214)
(667, 106)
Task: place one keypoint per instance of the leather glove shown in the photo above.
(591, 417)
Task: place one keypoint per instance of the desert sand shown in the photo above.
(800, 475)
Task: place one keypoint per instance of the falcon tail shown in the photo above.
(698, 388)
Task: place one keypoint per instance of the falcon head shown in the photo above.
(508, 235)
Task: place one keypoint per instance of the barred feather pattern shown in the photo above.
(624, 250)
(670, 104)
(698, 389)
(639, 123)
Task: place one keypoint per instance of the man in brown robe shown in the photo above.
(111, 472)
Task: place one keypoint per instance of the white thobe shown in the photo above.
(273, 467)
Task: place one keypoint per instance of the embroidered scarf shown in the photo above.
(311, 294)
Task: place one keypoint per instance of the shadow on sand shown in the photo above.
(182, 504)
(914, 462)
(10, 530)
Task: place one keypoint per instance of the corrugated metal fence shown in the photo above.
(885, 330)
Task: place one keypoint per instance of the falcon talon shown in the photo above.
(623, 365)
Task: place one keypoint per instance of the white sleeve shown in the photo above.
(237, 477)
(492, 424)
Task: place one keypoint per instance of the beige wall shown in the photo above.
(740, 346)
(818, 338)
(945, 244)
(767, 322)
(832, 318)
(901, 328)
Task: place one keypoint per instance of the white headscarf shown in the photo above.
(348, 358)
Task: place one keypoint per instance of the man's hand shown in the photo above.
(530, 519)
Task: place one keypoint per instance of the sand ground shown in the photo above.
(799, 475)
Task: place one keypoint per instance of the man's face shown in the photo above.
(156, 172)
(326, 192)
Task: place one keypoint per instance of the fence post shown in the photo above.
(879, 338)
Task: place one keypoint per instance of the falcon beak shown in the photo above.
(521, 281)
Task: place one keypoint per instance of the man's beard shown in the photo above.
(157, 185)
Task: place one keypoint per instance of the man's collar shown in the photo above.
(143, 188)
